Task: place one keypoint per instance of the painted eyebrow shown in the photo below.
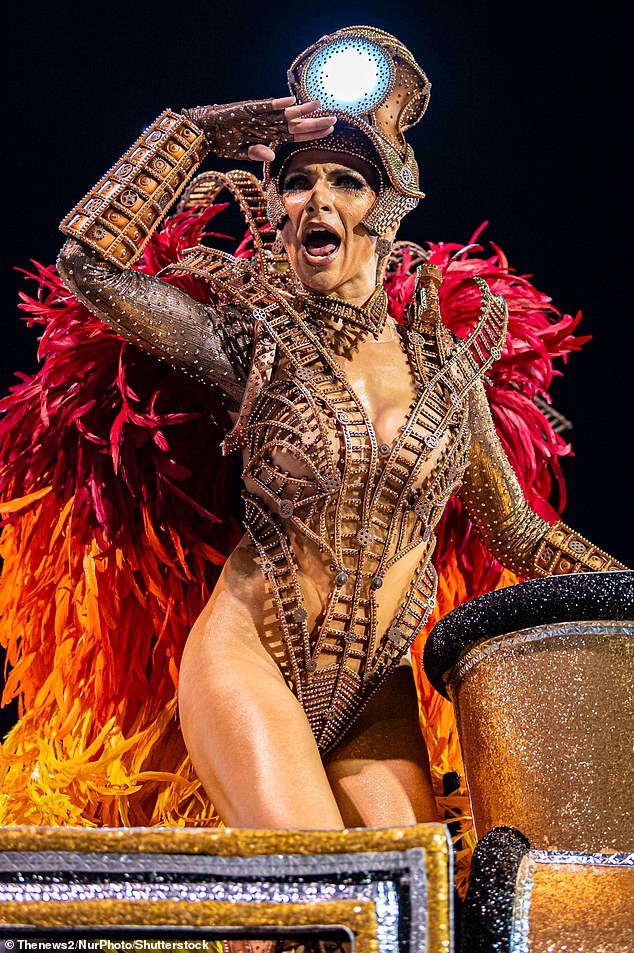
(338, 170)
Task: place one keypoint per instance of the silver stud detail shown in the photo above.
(364, 536)
(285, 508)
(576, 546)
(128, 198)
(304, 373)
(331, 482)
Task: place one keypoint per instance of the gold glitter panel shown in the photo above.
(545, 720)
(229, 843)
(356, 916)
(574, 907)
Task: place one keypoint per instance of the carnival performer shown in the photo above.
(357, 433)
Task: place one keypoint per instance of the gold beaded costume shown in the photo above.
(361, 504)
(110, 494)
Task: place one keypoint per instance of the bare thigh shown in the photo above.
(379, 772)
(247, 735)
(252, 746)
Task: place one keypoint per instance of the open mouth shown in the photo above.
(320, 245)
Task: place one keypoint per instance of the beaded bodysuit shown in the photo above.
(364, 504)
(361, 504)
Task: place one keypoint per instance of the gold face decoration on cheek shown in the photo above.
(326, 197)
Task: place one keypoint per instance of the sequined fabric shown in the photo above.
(211, 344)
(544, 717)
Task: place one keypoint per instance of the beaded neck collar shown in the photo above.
(340, 314)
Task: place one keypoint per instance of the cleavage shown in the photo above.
(381, 377)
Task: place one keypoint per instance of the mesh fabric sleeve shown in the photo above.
(511, 530)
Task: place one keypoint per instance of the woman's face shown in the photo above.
(326, 196)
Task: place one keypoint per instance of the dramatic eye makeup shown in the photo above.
(350, 180)
(343, 178)
(296, 182)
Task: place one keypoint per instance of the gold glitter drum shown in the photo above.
(540, 675)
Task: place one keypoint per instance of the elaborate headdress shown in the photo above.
(374, 86)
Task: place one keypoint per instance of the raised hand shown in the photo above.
(245, 130)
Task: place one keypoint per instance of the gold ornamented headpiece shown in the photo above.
(368, 79)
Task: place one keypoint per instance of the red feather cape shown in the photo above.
(119, 511)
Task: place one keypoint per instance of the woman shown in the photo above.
(355, 433)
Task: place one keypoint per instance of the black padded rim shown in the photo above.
(487, 915)
(576, 597)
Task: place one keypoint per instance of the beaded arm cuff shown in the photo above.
(562, 551)
(117, 217)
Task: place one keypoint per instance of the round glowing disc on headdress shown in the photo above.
(351, 74)
(369, 79)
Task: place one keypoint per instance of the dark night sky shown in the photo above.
(527, 127)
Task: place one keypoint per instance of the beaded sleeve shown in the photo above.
(211, 345)
(108, 230)
(511, 530)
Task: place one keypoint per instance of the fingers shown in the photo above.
(301, 126)
(293, 109)
(284, 102)
(260, 153)
(301, 123)
(301, 109)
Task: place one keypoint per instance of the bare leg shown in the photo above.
(247, 735)
(380, 771)
(250, 741)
